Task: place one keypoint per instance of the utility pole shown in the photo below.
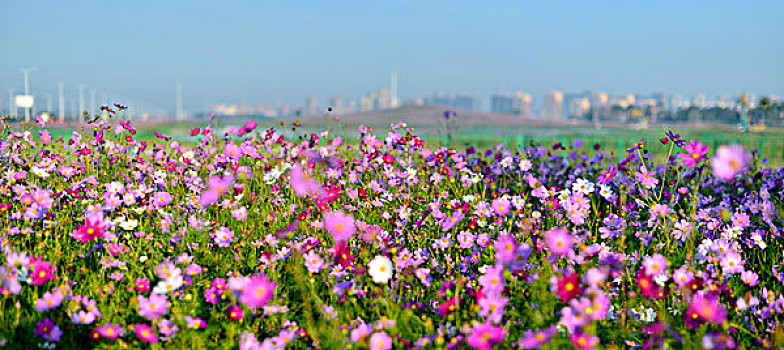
(26, 72)
(61, 100)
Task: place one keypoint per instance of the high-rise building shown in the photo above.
(698, 101)
(382, 102)
(521, 104)
(393, 90)
(310, 108)
(579, 107)
(336, 102)
(501, 103)
(662, 100)
(597, 99)
(676, 102)
(552, 109)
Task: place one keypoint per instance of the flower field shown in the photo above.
(249, 239)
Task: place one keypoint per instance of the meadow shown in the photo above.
(252, 236)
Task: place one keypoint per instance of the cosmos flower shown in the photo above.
(730, 161)
(48, 330)
(484, 336)
(145, 333)
(380, 341)
(559, 241)
(153, 307)
(257, 292)
(534, 339)
(380, 269)
(695, 153)
(340, 225)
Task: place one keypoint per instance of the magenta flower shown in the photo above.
(708, 309)
(559, 241)
(257, 292)
(41, 271)
(695, 153)
(340, 225)
(48, 330)
(145, 333)
(234, 312)
(217, 186)
(730, 161)
(142, 284)
(94, 227)
(484, 336)
(380, 341)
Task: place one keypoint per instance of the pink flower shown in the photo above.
(49, 301)
(732, 263)
(340, 225)
(217, 187)
(730, 161)
(302, 184)
(257, 292)
(94, 227)
(313, 262)
(646, 178)
(110, 331)
(161, 198)
(532, 340)
(559, 241)
(154, 307)
(695, 153)
(234, 312)
(380, 341)
(233, 151)
(583, 341)
(501, 206)
(485, 335)
(223, 237)
(655, 265)
(749, 277)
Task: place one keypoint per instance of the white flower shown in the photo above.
(40, 172)
(129, 224)
(380, 269)
(583, 185)
(143, 258)
(506, 162)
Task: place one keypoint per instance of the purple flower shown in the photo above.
(534, 339)
(452, 221)
(730, 161)
(48, 330)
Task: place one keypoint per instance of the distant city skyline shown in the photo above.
(278, 54)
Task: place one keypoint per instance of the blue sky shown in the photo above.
(266, 51)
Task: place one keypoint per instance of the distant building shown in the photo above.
(383, 101)
(311, 106)
(676, 102)
(457, 101)
(597, 99)
(662, 100)
(501, 103)
(521, 104)
(552, 109)
(579, 107)
(622, 101)
(698, 101)
(336, 102)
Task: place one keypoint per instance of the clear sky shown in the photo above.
(270, 51)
